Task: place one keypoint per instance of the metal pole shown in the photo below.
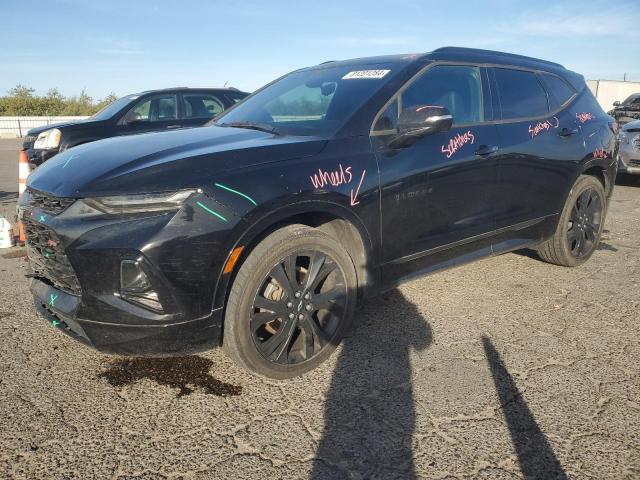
(19, 128)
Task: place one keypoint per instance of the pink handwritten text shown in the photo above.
(336, 178)
(600, 153)
(539, 127)
(584, 117)
(457, 142)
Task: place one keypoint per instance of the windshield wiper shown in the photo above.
(263, 127)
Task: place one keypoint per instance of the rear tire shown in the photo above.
(580, 226)
(290, 304)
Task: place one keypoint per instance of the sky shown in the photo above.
(128, 46)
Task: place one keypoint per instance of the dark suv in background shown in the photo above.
(334, 182)
(137, 113)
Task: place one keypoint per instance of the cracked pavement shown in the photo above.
(501, 369)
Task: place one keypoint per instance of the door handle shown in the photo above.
(173, 126)
(486, 150)
(567, 132)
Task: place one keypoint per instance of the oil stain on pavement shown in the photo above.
(186, 373)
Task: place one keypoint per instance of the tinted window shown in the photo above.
(154, 109)
(458, 88)
(560, 92)
(201, 106)
(521, 94)
(314, 101)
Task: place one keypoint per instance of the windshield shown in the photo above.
(113, 108)
(311, 102)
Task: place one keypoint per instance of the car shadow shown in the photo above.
(535, 455)
(626, 180)
(369, 409)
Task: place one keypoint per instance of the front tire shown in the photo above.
(580, 226)
(290, 304)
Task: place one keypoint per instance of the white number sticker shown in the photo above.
(365, 74)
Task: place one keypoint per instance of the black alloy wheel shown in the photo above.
(297, 309)
(584, 223)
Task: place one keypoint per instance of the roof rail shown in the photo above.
(480, 53)
(328, 61)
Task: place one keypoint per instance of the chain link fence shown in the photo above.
(14, 127)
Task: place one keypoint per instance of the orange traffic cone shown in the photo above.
(21, 237)
(23, 171)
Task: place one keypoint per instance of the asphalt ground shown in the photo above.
(505, 368)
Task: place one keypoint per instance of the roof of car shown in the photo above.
(454, 54)
(208, 89)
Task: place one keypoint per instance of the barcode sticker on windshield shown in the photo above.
(366, 74)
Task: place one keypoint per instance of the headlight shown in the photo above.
(150, 202)
(622, 138)
(48, 140)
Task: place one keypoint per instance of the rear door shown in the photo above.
(200, 107)
(437, 195)
(541, 144)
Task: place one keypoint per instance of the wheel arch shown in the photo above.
(334, 219)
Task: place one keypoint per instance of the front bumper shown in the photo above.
(629, 159)
(158, 339)
(75, 257)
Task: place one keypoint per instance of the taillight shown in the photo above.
(615, 128)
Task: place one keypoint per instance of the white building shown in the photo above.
(609, 91)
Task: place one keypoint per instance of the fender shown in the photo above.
(251, 227)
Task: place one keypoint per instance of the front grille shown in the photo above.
(47, 259)
(636, 143)
(634, 163)
(49, 203)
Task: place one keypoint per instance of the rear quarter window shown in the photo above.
(560, 92)
(521, 94)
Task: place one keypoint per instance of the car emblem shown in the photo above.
(52, 243)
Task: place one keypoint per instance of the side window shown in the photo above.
(456, 87)
(521, 94)
(154, 109)
(388, 120)
(201, 106)
(559, 90)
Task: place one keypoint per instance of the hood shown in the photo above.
(38, 130)
(163, 161)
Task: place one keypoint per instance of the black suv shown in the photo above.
(627, 111)
(262, 231)
(149, 111)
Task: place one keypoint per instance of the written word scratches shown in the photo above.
(600, 153)
(340, 176)
(457, 142)
(584, 117)
(535, 130)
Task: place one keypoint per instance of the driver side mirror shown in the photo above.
(419, 121)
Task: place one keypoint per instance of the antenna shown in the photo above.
(225, 84)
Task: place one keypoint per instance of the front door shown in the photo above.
(151, 114)
(437, 199)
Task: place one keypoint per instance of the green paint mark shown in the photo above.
(55, 323)
(42, 218)
(204, 207)
(67, 162)
(224, 187)
(52, 299)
